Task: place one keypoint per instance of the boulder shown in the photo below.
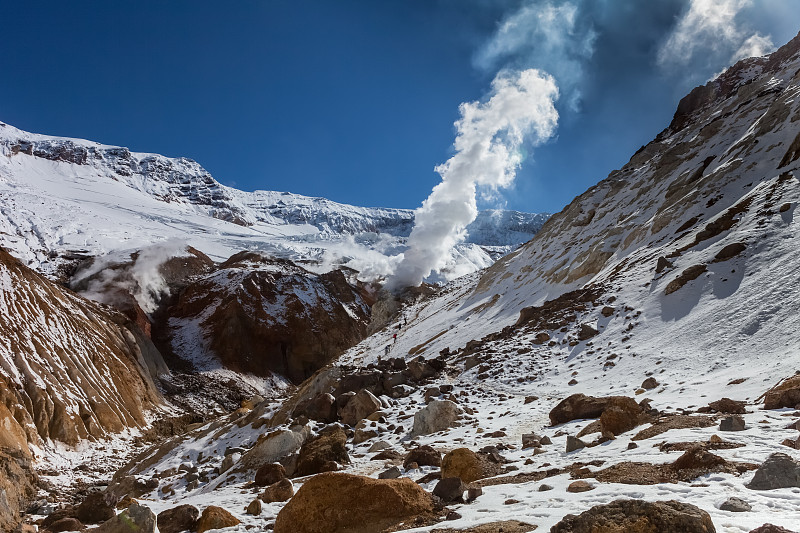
(136, 518)
(650, 383)
(360, 406)
(274, 446)
(323, 452)
(254, 508)
(269, 474)
(438, 415)
(638, 516)
(391, 473)
(735, 505)
(732, 423)
(177, 519)
(214, 517)
(587, 332)
(728, 406)
(423, 456)
(280, 491)
(467, 465)
(450, 489)
(785, 394)
(321, 408)
(777, 472)
(769, 528)
(574, 443)
(96, 508)
(580, 486)
(579, 406)
(65, 524)
(345, 503)
(621, 414)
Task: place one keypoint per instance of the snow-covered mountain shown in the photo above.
(65, 198)
(671, 285)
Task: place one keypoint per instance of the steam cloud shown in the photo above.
(711, 26)
(140, 278)
(487, 145)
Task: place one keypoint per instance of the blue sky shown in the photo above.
(356, 100)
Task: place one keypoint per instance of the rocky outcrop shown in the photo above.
(259, 315)
(339, 503)
(638, 516)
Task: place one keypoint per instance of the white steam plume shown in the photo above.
(710, 26)
(140, 278)
(488, 141)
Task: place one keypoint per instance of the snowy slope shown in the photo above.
(61, 198)
(681, 266)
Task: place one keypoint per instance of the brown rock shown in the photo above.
(580, 486)
(423, 456)
(726, 405)
(214, 517)
(97, 507)
(254, 508)
(579, 406)
(467, 465)
(279, 491)
(650, 383)
(65, 524)
(270, 473)
(505, 526)
(620, 415)
(636, 516)
(178, 519)
(321, 408)
(785, 394)
(586, 332)
(450, 489)
(344, 503)
(136, 518)
(360, 406)
(322, 453)
(769, 528)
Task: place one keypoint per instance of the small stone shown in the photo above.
(254, 508)
(452, 515)
(392, 473)
(632, 445)
(510, 501)
(278, 492)
(650, 383)
(735, 505)
(544, 487)
(580, 486)
(732, 423)
(574, 443)
(473, 493)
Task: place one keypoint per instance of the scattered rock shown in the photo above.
(279, 491)
(638, 516)
(323, 453)
(423, 456)
(785, 394)
(345, 503)
(732, 423)
(96, 508)
(574, 443)
(65, 524)
(254, 508)
(438, 415)
(177, 519)
(360, 406)
(136, 518)
(214, 517)
(777, 472)
(769, 528)
(450, 489)
(269, 473)
(735, 505)
(391, 473)
(580, 486)
(650, 383)
(467, 465)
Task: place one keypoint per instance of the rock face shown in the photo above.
(17, 481)
(177, 519)
(214, 517)
(323, 453)
(436, 416)
(84, 376)
(639, 517)
(265, 316)
(778, 471)
(339, 503)
(786, 394)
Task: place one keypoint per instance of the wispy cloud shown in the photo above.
(713, 29)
